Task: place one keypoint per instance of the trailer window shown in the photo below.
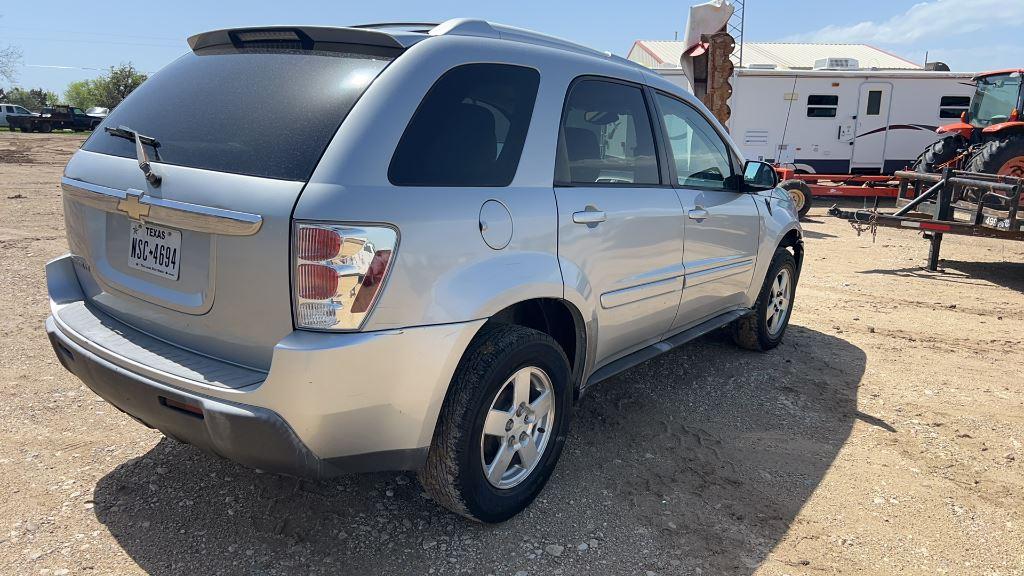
(874, 103)
(953, 106)
(822, 105)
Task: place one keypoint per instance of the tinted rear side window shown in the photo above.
(260, 113)
(469, 130)
(606, 137)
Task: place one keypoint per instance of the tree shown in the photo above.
(117, 85)
(107, 90)
(33, 99)
(10, 59)
(82, 94)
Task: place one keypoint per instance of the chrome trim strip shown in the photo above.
(641, 292)
(172, 213)
(715, 263)
(717, 273)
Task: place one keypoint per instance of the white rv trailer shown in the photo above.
(852, 121)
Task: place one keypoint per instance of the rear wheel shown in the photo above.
(939, 152)
(45, 128)
(800, 192)
(1003, 157)
(764, 328)
(502, 426)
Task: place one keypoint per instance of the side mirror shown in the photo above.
(759, 176)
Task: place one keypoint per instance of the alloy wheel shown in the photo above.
(778, 301)
(518, 427)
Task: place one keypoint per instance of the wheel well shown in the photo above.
(556, 318)
(795, 243)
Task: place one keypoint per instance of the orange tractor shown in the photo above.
(990, 136)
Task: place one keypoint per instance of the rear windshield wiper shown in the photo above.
(129, 134)
(140, 151)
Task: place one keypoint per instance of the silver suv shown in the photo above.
(405, 247)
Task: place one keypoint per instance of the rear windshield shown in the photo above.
(260, 113)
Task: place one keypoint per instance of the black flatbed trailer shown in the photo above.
(954, 202)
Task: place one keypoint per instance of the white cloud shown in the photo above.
(931, 21)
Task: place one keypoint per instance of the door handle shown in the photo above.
(698, 214)
(590, 217)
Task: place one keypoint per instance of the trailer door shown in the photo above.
(872, 121)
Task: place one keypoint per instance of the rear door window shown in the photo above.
(606, 137)
(259, 112)
(469, 130)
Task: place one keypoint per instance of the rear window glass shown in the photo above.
(469, 130)
(255, 112)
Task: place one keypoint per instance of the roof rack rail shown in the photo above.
(425, 25)
(472, 27)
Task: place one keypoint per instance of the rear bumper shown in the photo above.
(330, 404)
(253, 436)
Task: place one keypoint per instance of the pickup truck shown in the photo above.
(7, 110)
(55, 118)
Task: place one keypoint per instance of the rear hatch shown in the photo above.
(235, 129)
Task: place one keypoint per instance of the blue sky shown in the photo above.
(64, 41)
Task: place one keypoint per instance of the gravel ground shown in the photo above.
(884, 436)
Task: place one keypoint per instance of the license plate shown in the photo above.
(1000, 223)
(155, 250)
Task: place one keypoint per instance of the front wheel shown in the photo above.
(763, 329)
(502, 426)
(939, 153)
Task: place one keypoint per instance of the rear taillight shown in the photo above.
(339, 271)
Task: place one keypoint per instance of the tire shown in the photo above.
(1004, 157)
(24, 129)
(754, 331)
(939, 152)
(800, 192)
(45, 128)
(454, 475)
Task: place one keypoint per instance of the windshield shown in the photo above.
(267, 113)
(994, 99)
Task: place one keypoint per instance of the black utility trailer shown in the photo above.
(953, 202)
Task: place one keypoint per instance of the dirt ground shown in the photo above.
(884, 436)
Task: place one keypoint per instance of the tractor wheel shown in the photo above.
(1004, 157)
(800, 192)
(940, 152)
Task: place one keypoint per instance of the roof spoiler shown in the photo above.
(305, 37)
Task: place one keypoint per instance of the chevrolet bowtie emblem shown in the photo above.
(131, 206)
